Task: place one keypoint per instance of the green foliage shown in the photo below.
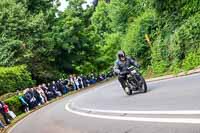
(26, 34)
(108, 51)
(186, 39)
(100, 19)
(119, 15)
(14, 105)
(178, 7)
(14, 78)
(7, 95)
(160, 67)
(190, 7)
(75, 39)
(191, 61)
(161, 35)
(178, 39)
(36, 6)
(159, 54)
(135, 43)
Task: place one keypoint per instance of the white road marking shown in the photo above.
(162, 112)
(143, 119)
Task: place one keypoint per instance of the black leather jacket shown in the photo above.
(121, 67)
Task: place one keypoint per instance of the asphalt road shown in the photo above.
(169, 106)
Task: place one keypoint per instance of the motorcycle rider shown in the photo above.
(121, 67)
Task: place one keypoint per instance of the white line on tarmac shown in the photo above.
(143, 119)
(162, 112)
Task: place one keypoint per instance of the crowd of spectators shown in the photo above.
(41, 94)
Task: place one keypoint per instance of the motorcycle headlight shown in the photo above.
(129, 76)
(133, 72)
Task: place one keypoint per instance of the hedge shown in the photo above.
(14, 78)
(14, 105)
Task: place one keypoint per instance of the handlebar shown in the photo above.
(131, 68)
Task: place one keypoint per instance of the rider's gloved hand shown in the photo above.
(121, 73)
(137, 66)
(124, 72)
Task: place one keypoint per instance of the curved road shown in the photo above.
(169, 106)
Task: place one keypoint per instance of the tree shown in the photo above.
(75, 38)
(25, 36)
(101, 20)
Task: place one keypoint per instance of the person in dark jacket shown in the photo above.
(37, 96)
(84, 80)
(49, 93)
(54, 89)
(65, 85)
(60, 86)
(121, 66)
(29, 98)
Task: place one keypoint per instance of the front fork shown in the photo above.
(138, 81)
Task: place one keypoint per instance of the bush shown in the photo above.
(191, 61)
(7, 95)
(135, 43)
(176, 67)
(160, 56)
(177, 49)
(109, 51)
(186, 38)
(177, 7)
(14, 78)
(14, 105)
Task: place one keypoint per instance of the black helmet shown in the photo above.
(121, 54)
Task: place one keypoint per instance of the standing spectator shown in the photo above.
(37, 96)
(88, 80)
(84, 80)
(60, 86)
(70, 85)
(92, 79)
(2, 111)
(24, 104)
(49, 94)
(72, 82)
(55, 89)
(44, 88)
(65, 84)
(42, 94)
(41, 99)
(80, 81)
(7, 111)
(29, 98)
(52, 90)
(76, 83)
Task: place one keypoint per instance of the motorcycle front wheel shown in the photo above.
(128, 91)
(143, 88)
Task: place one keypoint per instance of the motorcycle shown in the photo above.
(135, 82)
